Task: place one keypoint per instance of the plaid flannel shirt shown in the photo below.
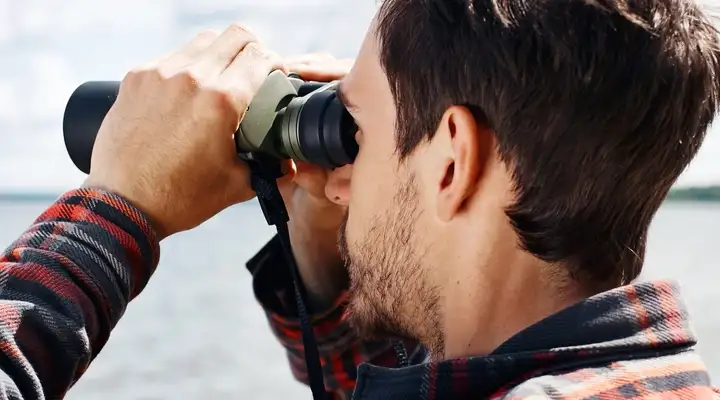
(64, 284)
(66, 281)
(632, 342)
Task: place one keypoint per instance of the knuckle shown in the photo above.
(163, 73)
(205, 37)
(262, 58)
(207, 34)
(255, 50)
(139, 75)
(185, 79)
(221, 102)
(240, 30)
(135, 74)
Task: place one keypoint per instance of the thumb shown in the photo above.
(286, 183)
(291, 170)
(311, 178)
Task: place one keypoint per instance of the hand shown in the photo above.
(167, 144)
(315, 219)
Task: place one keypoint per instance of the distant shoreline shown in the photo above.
(28, 197)
(706, 194)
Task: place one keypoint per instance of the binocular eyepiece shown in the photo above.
(287, 118)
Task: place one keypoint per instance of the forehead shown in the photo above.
(366, 75)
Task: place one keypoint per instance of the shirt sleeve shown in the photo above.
(64, 284)
(341, 351)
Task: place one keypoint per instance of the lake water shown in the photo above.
(196, 332)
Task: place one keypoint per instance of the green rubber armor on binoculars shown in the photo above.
(282, 123)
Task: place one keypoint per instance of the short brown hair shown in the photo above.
(597, 107)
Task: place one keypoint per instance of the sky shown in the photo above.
(49, 47)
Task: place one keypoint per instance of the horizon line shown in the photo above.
(45, 195)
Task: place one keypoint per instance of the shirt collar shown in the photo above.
(638, 318)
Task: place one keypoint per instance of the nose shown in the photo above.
(337, 188)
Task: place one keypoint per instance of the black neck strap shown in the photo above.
(265, 171)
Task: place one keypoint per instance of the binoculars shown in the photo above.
(287, 118)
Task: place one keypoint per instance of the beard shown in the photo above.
(390, 295)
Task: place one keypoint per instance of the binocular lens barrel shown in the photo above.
(84, 113)
(317, 128)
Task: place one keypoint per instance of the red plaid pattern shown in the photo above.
(64, 284)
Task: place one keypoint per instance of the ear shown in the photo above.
(463, 161)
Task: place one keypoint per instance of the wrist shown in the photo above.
(134, 198)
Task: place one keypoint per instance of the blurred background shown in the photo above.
(197, 332)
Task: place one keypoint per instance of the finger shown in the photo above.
(285, 183)
(321, 71)
(307, 168)
(313, 73)
(288, 170)
(192, 49)
(247, 72)
(288, 167)
(221, 53)
(311, 178)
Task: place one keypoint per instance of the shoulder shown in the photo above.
(679, 375)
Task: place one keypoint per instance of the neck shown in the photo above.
(490, 297)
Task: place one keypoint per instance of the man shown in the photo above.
(511, 158)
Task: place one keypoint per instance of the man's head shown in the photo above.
(551, 130)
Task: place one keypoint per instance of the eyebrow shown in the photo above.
(342, 96)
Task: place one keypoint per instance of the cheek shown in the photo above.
(371, 193)
(374, 172)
